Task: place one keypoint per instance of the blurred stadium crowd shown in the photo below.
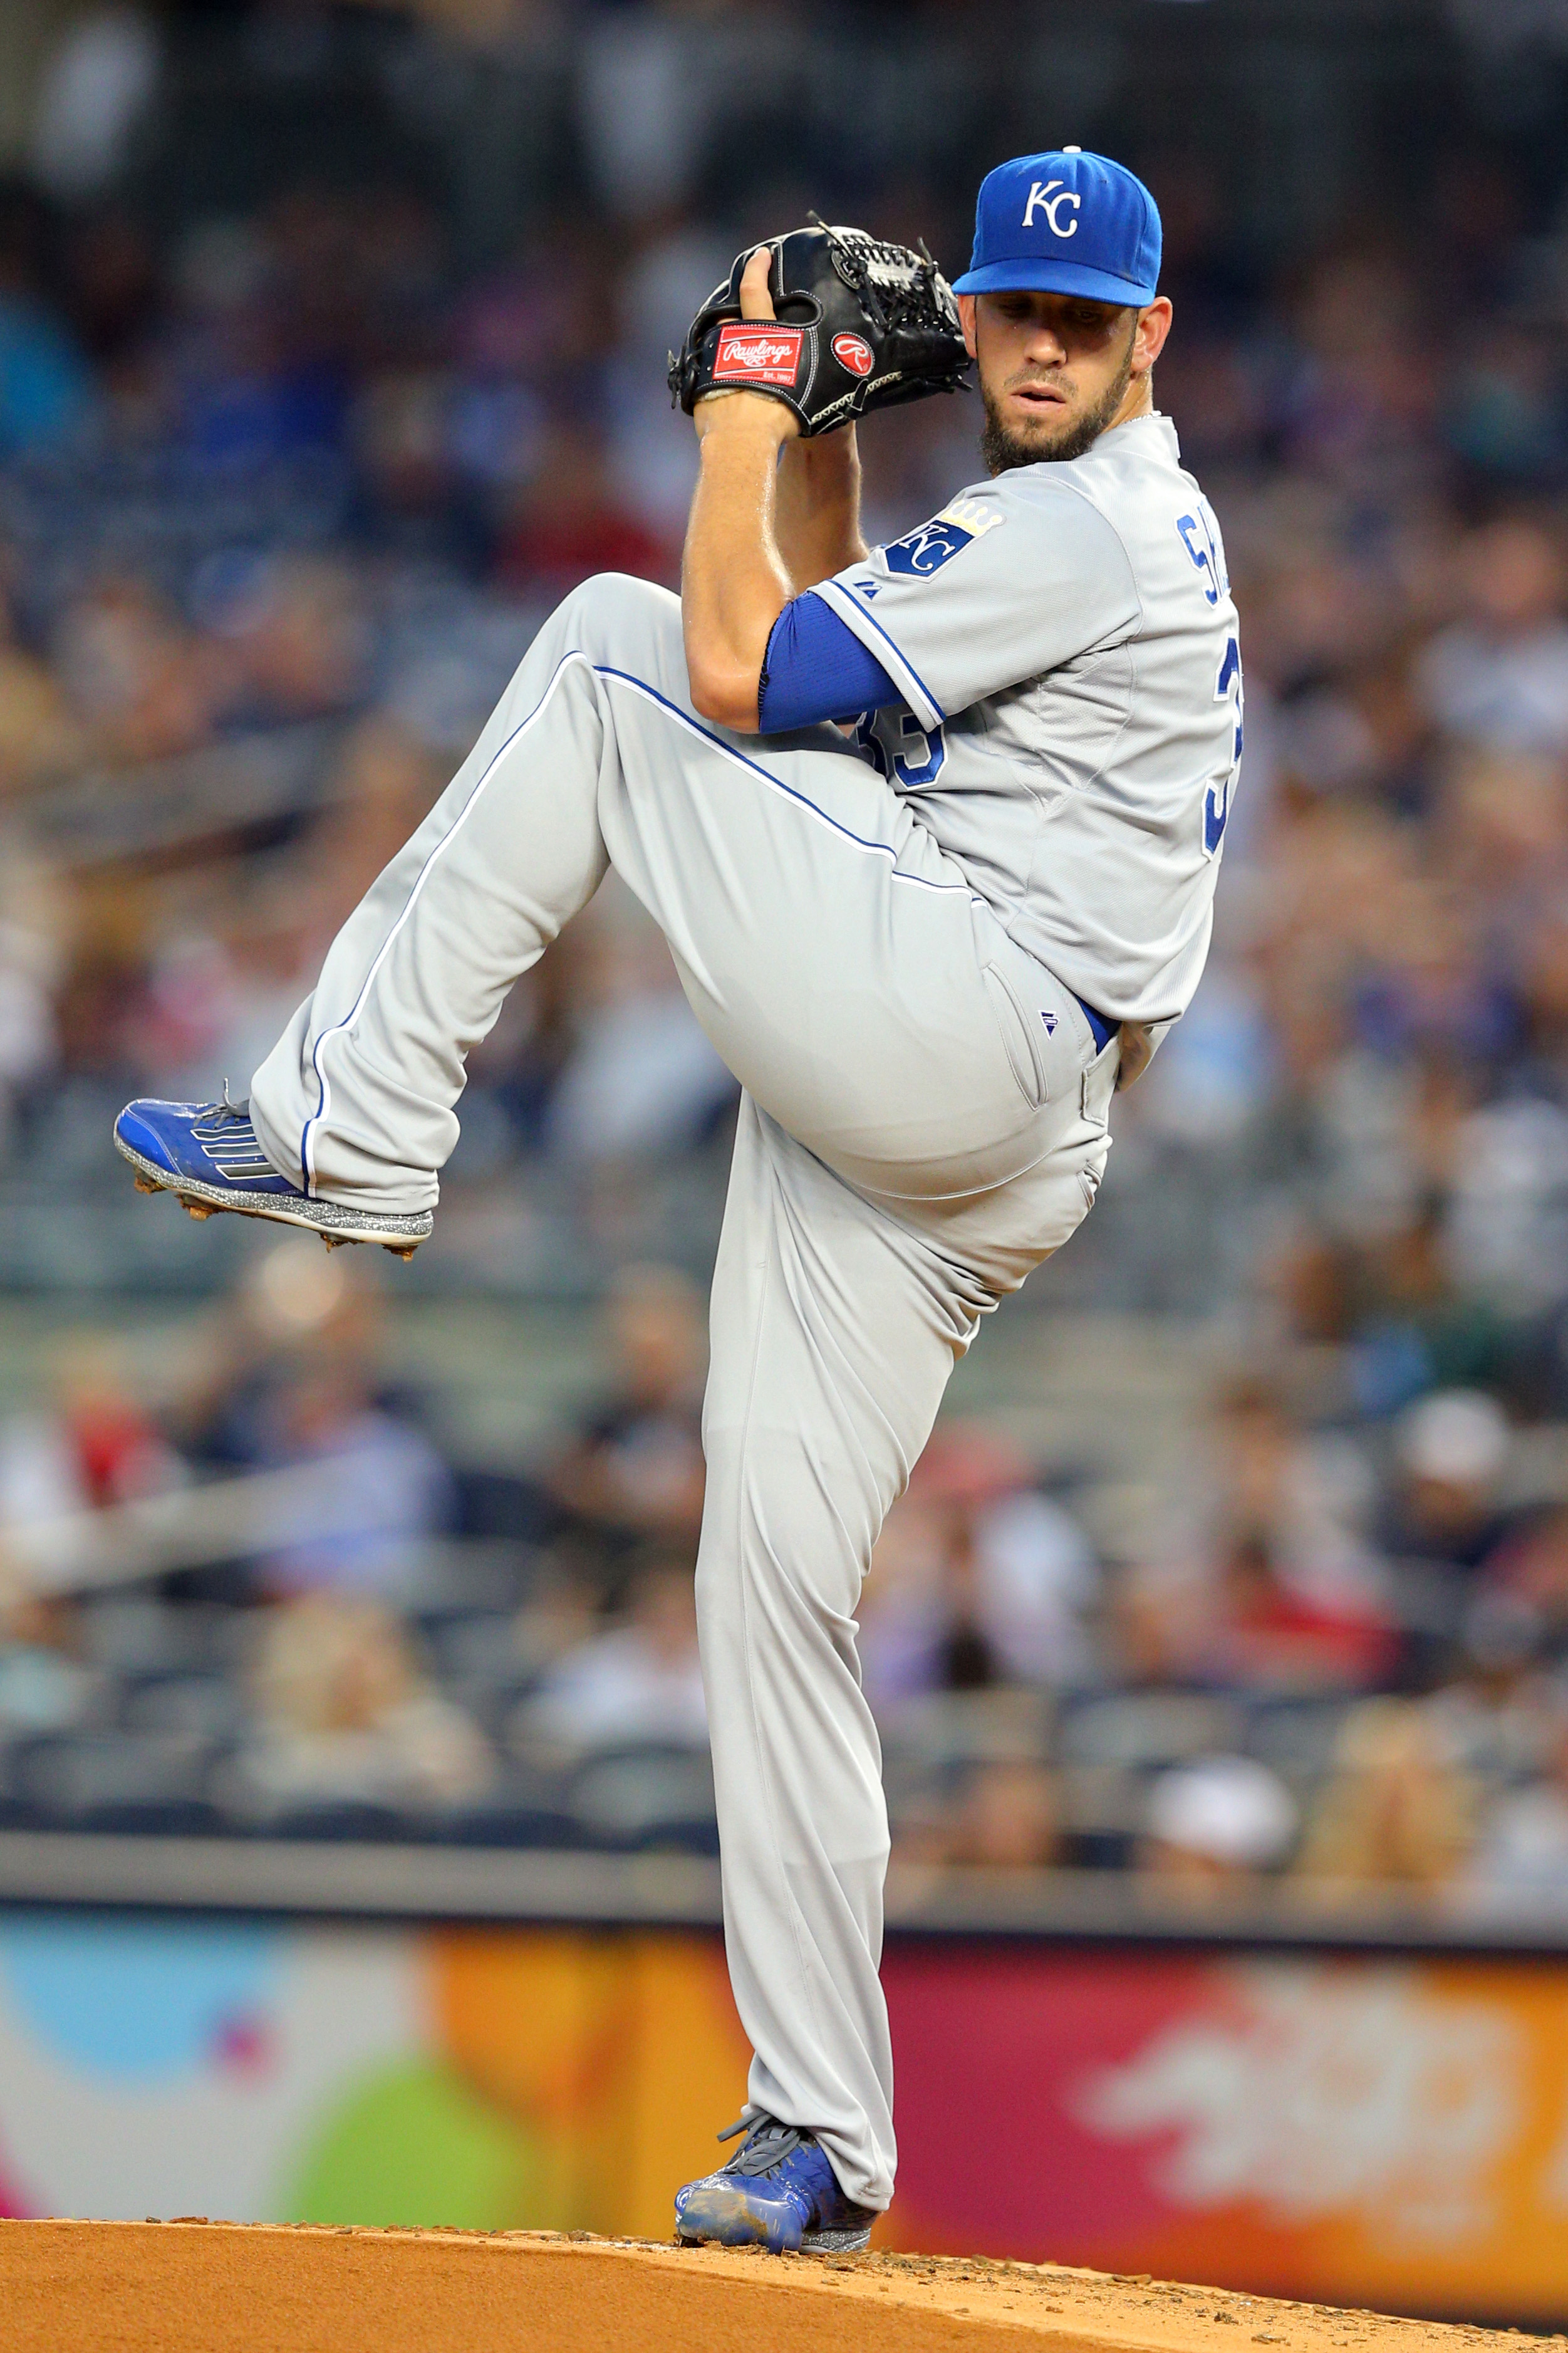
(294, 453)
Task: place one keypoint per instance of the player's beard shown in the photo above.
(1002, 449)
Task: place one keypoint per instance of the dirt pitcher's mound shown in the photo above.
(194, 2286)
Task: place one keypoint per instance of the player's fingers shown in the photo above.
(756, 303)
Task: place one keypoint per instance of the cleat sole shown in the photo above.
(396, 1232)
(848, 2242)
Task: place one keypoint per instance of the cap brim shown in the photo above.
(1032, 274)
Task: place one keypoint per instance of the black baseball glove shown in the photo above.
(857, 325)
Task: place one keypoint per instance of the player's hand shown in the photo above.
(750, 408)
(827, 463)
(828, 456)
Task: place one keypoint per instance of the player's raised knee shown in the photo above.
(626, 624)
(611, 596)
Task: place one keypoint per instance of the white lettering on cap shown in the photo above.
(1040, 194)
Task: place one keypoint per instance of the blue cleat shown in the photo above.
(208, 1156)
(777, 2191)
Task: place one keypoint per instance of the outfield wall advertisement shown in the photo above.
(1363, 2131)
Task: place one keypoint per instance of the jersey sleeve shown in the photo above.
(1011, 579)
(814, 669)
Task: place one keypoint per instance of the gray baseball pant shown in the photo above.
(923, 1119)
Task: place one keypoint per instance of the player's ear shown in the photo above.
(1149, 334)
(966, 319)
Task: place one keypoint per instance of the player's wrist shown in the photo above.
(827, 458)
(739, 414)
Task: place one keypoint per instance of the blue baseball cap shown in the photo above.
(1065, 223)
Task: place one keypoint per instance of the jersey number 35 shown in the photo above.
(1217, 799)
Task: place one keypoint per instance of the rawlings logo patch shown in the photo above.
(854, 352)
(751, 354)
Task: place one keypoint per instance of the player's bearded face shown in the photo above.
(1052, 401)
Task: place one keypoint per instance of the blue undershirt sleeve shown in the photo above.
(816, 668)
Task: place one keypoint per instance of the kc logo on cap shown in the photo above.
(1065, 223)
(1040, 195)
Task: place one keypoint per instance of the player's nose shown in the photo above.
(1044, 347)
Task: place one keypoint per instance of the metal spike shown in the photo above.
(193, 1208)
(148, 1185)
(401, 1250)
(333, 1241)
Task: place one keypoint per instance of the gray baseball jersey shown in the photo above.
(1066, 644)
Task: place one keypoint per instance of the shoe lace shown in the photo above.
(218, 1117)
(767, 2143)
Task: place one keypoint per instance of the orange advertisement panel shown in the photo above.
(1391, 2133)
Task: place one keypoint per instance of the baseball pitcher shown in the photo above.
(933, 831)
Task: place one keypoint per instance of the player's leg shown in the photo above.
(827, 944)
(351, 1116)
(834, 1331)
(836, 1321)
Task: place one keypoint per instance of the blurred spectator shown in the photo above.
(1451, 1450)
(40, 737)
(47, 392)
(1521, 1851)
(571, 522)
(641, 1078)
(1495, 1712)
(391, 1491)
(383, 782)
(90, 1445)
(1397, 1806)
(1261, 1632)
(1274, 1589)
(218, 1000)
(1527, 1581)
(977, 1578)
(639, 1683)
(634, 1469)
(44, 1684)
(98, 87)
(290, 1377)
(343, 1715)
(139, 681)
(1499, 677)
(297, 637)
(1008, 1818)
(1217, 1824)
